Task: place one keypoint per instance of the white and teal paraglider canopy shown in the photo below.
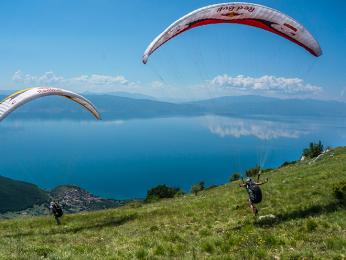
(240, 13)
(21, 97)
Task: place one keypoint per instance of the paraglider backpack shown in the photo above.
(255, 193)
(58, 211)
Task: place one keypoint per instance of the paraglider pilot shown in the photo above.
(56, 210)
(254, 191)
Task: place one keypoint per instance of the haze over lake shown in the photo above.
(123, 159)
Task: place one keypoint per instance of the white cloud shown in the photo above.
(264, 130)
(102, 80)
(94, 82)
(45, 79)
(157, 84)
(98, 83)
(270, 85)
(222, 85)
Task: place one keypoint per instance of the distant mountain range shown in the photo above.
(258, 105)
(122, 94)
(113, 107)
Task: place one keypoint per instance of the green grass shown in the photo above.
(217, 224)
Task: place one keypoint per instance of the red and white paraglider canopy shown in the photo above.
(240, 13)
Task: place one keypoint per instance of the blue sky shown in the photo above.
(97, 46)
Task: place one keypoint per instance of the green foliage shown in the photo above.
(339, 191)
(266, 170)
(208, 246)
(336, 244)
(253, 171)
(161, 192)
(314, 150)
(18, 195)
(311, 225)
(197, 187)
(287, 163)
(141, 254)
(180, 193)
(43, 251)
(234, 177)
(211, 187)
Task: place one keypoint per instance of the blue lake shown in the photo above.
(123, 159)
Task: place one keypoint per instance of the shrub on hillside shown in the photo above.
(234, 177)
(197, 187)
(161, 192)
(266, 170)
(287, 163)
(211, 187)
(339, 191)
(314, 150)
(253, 171)
(180, 193)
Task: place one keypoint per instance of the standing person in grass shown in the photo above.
(56, 210)
(254, 191)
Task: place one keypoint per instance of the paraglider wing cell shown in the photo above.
(19, 98)
(240, 13)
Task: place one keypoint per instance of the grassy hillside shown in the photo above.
(18, 195)
(309, 223)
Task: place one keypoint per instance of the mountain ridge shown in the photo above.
(114, 107)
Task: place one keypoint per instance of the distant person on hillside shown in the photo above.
(255, 193)
(56, 210)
